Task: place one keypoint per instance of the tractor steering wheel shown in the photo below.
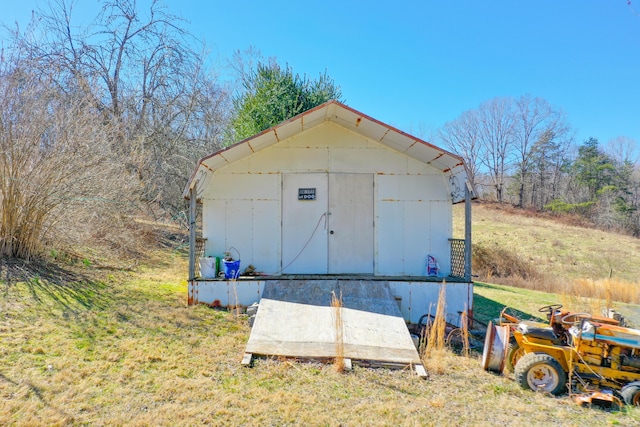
(550, 308)
(575, 319)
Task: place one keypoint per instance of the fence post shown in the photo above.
(467, 232)
(192, 234)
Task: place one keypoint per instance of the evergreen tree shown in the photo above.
(273, 94)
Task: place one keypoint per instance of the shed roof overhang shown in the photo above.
(449, 164)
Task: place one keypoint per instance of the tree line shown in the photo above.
(104, 123)
(523, 151)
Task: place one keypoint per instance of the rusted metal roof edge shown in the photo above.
(326, 105)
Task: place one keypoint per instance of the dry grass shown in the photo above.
(126, 350)
(516, 248)
(134, 354)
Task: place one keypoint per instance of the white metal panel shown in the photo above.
(351, 223)
(361, 161)
(406, 223)
(245, 293)
(424, 299)
(208, 292)
(373, 130)
(240, 186)
(388, 244)
(261, 142)
(239, 229)
(330, 135)
(283, 159)
(288, 129)
(416, 235)
(266, 253)
(441, 229)
(213, 227)
(304, 232)
(253, 229)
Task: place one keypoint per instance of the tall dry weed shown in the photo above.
(498, 264)
(608, 290)
(434, 338)
(464, 332)
(336, 304)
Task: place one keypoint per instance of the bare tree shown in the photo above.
(497, 121)
(462, 136)
(623, 150)
(535, 121)
(145, 75)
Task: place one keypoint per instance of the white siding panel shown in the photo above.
(416, 167)
(441, 230)
(247, 187)
(266, 236)
(282, 159)
(244, 294)
(389, 231)
(250, 226)
(437, 188)
(367, 160)
(239, 229)
(213, 227)
(410, 225)
(416, 237)
(330, 135)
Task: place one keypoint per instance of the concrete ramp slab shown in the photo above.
(295, 319)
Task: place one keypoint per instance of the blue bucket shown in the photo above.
(231, 269)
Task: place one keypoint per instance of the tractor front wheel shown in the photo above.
(514, 353)
(631, 393)
(540, 372)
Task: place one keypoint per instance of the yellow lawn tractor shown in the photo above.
(586, 353)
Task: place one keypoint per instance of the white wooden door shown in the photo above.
(304, 223)
(350, 223)
(327, 223)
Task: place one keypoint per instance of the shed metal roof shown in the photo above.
(448, 163)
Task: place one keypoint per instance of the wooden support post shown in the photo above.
(422, 373)
(246, 359)
(467, 232)
(192, 234)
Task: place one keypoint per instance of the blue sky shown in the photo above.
(418, 64)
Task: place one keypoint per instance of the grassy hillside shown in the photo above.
(87, 346)
(557, 256)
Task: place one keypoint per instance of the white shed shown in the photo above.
(332, 193)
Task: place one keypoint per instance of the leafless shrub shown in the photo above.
(58, 182)
(500, 262)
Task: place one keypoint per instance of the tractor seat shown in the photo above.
(535, 330)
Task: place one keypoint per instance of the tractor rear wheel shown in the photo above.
(631, 393)
(540, 372)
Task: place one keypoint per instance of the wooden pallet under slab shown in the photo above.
(296, 319)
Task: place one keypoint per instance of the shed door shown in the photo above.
(327, 223)
(351, 223)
